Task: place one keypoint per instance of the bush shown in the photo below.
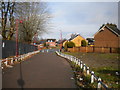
(69, 44)
(83, 43)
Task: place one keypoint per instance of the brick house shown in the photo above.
(41, 44)
(107, 36)
(51, 42)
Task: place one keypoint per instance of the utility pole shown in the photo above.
(61, 35)
(60, 40)
(17, 21)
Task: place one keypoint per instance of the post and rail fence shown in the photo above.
(85, 69)
(9, 62)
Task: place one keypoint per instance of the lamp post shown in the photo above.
(17, 23)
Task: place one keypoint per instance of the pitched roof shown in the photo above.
(113, 29)
(52, 40)
(74, 37)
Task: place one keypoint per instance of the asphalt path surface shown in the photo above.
(44, 70)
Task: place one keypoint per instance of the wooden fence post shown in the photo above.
(93, 48)
(99, 84)
(81, 65)
(102, 49)
(11, 60)
(79, 62)
(88, 72)
(84, 68)
(86, 49)
(16, 59)
(6, 63)
(92, 77)
(75, 60)
(71, 58)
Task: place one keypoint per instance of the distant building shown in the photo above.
(42, 43)
(107, 36)
(60, 42)
(90, 41)
(76, 39)
(51, 42)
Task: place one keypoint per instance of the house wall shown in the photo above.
(77, 41)
(106, 38)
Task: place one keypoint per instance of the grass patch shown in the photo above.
(108, 76)
(105, 66)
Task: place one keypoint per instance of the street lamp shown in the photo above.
(17, 23)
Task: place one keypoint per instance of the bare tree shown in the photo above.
(7, 9)
(35, 16)
(4, 14)
(11, 19)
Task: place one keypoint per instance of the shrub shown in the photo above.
(69, 44)
(65, 46)
(83, 43)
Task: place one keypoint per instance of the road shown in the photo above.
(44, 70)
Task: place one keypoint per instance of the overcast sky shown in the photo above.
(84, 18)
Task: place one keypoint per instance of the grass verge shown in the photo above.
(105, 66)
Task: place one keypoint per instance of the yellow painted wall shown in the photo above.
(77, 41)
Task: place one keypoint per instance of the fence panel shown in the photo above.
(94, 49)
(90, 49)
(9, 48)
(100, 85)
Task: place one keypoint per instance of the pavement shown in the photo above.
(44, 70)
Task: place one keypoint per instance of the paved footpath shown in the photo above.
(44, 70)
